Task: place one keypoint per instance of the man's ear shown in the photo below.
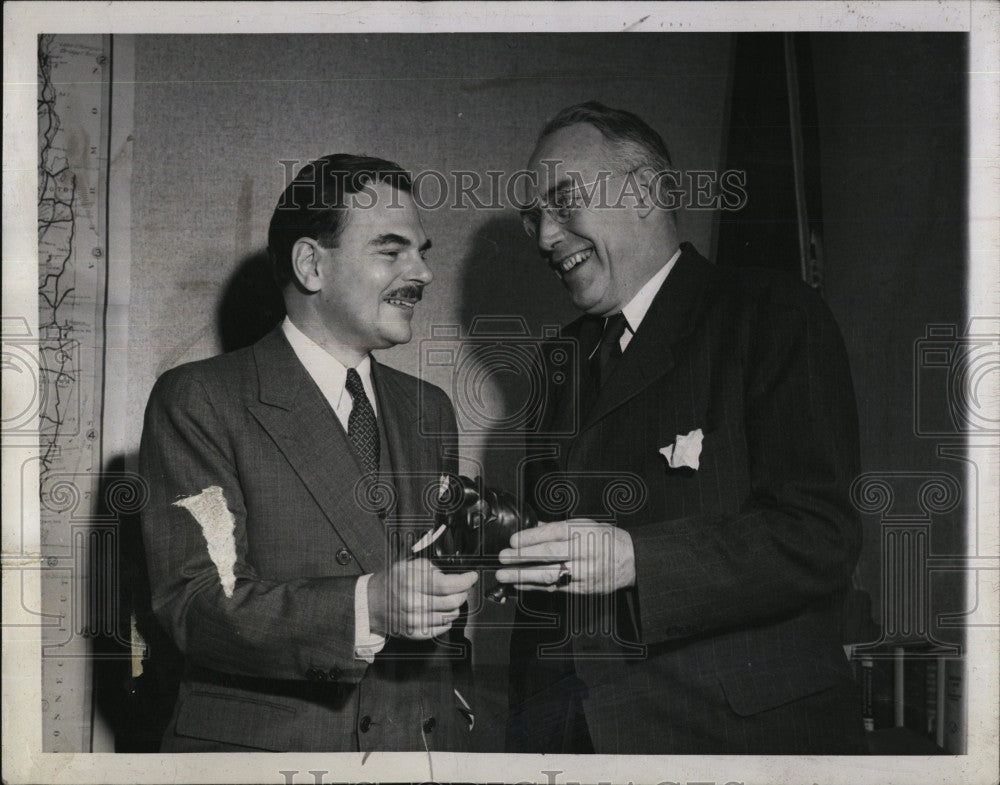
(647, 181)
(305, 264)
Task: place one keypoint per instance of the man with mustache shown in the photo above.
(286, 481)
(696, 608)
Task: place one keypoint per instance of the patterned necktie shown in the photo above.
(361, 425)
(609, 350)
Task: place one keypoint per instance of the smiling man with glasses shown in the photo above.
(566, 196)
(698, 612)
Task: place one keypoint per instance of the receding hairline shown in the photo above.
(626, 136)
(614, 155)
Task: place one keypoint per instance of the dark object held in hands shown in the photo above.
(474, 525)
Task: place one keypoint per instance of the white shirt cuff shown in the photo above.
(366, 643)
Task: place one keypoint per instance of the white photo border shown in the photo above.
(23, 21)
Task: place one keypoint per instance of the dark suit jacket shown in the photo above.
(729, 642)
(273, 666)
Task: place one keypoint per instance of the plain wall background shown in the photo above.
(214, 116)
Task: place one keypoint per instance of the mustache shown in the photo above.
(408, 292)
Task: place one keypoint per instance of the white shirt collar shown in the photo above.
(635, 310)
(328, 372)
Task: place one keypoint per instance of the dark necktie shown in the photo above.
(609, 350)
(361, 425)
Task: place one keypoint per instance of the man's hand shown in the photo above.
(415, 600)
(597, 558)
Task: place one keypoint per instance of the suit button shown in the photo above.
(343, 557)
(365, 724)
(312, 674)
(429, 724)
(334, 674)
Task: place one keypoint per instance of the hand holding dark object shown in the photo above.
(415, 600)
(477, 524)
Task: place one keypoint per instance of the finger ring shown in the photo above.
(564, 576)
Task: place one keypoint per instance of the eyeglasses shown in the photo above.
(566, 202)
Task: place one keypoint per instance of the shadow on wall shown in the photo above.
(506, 297)
(134, 691)
(251, 303)
(502, 273)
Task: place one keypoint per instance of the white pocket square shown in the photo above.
(685, 450)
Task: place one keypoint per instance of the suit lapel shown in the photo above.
(400, 415)
(671, 316)
(295, 415)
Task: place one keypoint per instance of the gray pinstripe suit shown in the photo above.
(273, 667)
(729, 642)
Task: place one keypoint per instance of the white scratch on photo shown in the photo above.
(218, 525)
